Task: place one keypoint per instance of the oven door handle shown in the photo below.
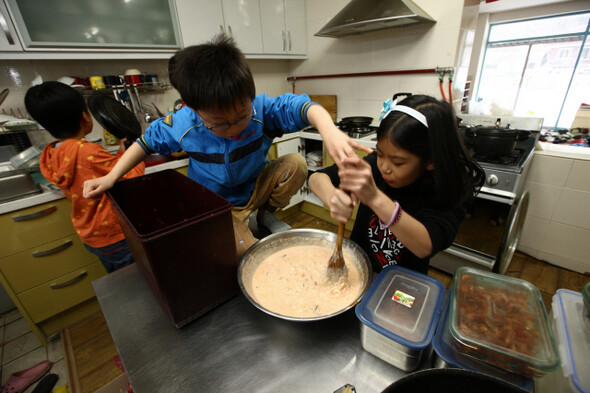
(479, 258)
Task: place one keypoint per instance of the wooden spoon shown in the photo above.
(336, 267)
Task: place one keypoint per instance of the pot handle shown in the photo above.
(401, 94)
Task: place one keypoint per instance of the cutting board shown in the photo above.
(328, 102)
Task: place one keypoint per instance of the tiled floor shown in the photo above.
(20, 349)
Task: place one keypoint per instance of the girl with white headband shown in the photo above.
(413, 191)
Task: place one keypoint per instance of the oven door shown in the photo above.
(487, 237)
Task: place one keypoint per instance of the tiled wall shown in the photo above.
(421, 46)
(557, 227)
(17, 76)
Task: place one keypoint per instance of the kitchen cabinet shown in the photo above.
(8, 39)
(46, 269)
(200, 20)
(295, 145)
(261, 28)
(283, 27)
(57, 24)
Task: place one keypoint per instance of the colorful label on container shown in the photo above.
(403, 298)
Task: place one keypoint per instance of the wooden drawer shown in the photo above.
(45, 262)
(71, 316)
(55, 296)
(26, 228)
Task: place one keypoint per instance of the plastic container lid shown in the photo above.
(573, 338)
(502, 320)
(403, 305)
(443, 347)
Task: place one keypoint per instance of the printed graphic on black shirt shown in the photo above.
(386, 248)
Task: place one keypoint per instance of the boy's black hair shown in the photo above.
(213, 75)
(172, 71)
(57, 107)
(456, 175)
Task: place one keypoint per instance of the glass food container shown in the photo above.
(399, 315)
(446, 356)
(502, 321)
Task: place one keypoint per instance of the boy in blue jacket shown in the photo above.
(227, 130)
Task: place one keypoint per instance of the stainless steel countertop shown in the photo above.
(234, 347)
(48, 195)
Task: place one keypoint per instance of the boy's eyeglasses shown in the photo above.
(222, 127)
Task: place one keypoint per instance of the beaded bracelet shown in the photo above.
(397, 213)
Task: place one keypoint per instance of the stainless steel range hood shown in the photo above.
(360, 16)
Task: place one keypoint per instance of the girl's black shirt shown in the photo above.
(418, 200)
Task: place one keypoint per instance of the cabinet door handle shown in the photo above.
(289, 39)
(37, 214)
(284, 40)
(69, 282)
(53, 250)
(6, 30)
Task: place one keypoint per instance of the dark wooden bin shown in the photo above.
(181, 236)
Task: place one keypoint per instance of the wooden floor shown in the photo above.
(90, 350)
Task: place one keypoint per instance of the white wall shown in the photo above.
(557, 227)
(420, 46)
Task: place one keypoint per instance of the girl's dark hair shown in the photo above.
(456, 174)
(214, 75)
(57, 107)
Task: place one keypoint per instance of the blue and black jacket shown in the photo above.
(228, 167)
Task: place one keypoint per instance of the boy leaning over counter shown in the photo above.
(227, 130)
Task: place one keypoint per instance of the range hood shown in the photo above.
(360, 16)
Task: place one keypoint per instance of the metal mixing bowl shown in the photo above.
(300, 237)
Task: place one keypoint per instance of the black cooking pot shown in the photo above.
(355, 122)
(451, 380)
(114, 117)
(495, 141)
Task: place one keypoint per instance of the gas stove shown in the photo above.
(504, 174)
(359, 132)
(353, 132)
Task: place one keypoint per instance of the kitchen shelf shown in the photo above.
(144, 88)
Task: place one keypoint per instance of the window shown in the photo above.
(538, 67)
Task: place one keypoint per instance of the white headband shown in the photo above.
(389, 106)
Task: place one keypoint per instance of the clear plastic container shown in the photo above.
(398, 316)
(502, 321)
(586, 308)
(446, 356)
(573, 338)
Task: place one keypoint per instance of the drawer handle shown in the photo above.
(40, 213)
(69, 282)
(53, 250)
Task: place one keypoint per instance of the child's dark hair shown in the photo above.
(456, 174)
(57, 107)
(213, 75)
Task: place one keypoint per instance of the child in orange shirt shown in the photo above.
(71, 160)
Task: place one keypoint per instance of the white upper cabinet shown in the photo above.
(283, 27)
(242, 23)
(261, 28)
(8, 39)
(200, 20)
